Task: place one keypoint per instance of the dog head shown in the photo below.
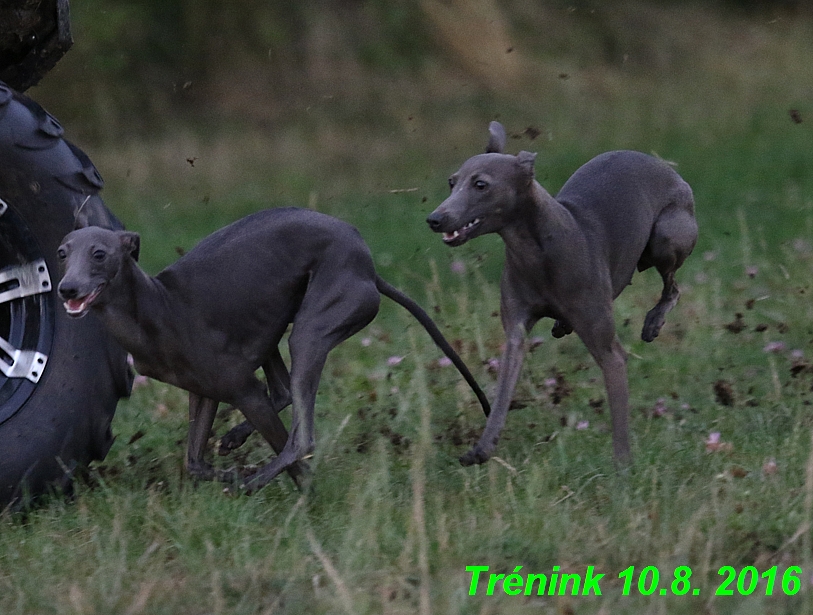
(90, 259)
(487, 192)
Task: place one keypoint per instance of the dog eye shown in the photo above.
(451, 183)
(480, 184)
(99, 255)
(61, 254)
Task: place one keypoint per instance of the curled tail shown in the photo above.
(388, 290)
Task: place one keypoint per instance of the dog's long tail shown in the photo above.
(388, 290)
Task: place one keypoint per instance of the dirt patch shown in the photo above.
(737, 325)
(724, 393)
(558, 388)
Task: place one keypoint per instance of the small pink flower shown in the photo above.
(714, 444)
(140, 381)
(366, 341)
(769, 468)
(709, 255)
(774, 347)
(660, 408)
(444, 362)
(394, 360)
(797, 355)
(493, 365)
(582, 425)
(550, 382)
(458, 267)
(751, 271)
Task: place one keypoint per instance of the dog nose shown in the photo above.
(67, 291)
(434, 220)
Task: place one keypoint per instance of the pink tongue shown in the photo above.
(75, 304)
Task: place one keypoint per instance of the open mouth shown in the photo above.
(461, 235)
(79, 307)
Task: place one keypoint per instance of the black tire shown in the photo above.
(60, 378)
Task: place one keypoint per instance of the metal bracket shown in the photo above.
(24, 280)
(24, 363)
(16, 282)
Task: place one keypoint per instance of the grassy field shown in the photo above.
(722, 427)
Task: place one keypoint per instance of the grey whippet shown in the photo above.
(210, 320)
(569, 257)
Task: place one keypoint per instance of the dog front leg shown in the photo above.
(202, 412)
(510, 367)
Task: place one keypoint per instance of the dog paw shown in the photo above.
(243, 489)
(250, 484)
(234, 438)
(234, 490)
(474, 456)
(560, 329)
(201, 471)
(653, 323)
(231, 476)
(649, 334)
(302, 476)
(651, 329)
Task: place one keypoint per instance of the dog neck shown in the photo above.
(540, 221)
(138, 303)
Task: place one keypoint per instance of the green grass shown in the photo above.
(139, 537)
(393, 520)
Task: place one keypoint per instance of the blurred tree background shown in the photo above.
(143, 66)
(300, 102)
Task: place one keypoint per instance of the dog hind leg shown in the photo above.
(254, 403)
(597, 331)
(673, 238)
(328, 315)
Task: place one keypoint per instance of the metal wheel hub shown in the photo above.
(26, 312)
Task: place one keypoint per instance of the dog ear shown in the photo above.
(526, 163)
(130, 243)
(496, 139)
